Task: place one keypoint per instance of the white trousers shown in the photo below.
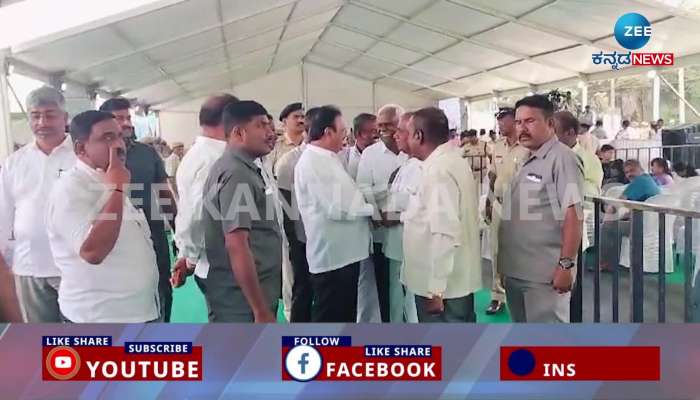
(367, 296)
(402, 302)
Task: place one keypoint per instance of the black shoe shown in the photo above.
(494, 308)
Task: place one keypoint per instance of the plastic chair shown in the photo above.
(650, 236)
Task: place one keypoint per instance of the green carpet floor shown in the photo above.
(189, 305)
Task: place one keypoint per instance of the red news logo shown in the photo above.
(652, 59)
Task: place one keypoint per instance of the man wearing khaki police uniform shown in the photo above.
(475, 151)
(507, 158)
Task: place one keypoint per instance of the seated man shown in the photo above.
(100, 241)
(642, 186)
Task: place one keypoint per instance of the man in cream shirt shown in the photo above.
(100, 241)
(566, 127)
(442, 263)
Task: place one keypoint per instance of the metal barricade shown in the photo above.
(637, 275)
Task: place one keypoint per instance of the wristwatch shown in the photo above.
(566, 263)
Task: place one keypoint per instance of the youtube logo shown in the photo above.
(62, 362)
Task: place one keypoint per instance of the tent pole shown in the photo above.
(681, 91)
(6, 141)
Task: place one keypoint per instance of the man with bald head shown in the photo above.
(191, 175)
(376, 166)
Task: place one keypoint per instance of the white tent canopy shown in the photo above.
(166, 53)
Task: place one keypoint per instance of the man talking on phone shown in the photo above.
(100, 241)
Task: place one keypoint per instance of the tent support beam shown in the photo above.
(392, 30)
(681, 99)
(426, 53)
(679, 95)
(387, 61)
(656, 97)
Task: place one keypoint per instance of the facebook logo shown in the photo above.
(303, 363)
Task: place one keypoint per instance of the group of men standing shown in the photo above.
(326, 226)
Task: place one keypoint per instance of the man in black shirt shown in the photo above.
(149, 191)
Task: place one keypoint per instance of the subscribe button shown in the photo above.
(581, 363)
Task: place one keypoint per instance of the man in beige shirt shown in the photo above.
(476, 152)
(507, 158)
(442, 265)
(292, 118)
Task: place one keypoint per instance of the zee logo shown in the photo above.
(632, 31)
(303, 363)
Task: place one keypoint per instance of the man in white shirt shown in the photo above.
(101, 242)
(598, 132)
(624, 132)
(335, 217)
(26, 179)
(404, 182)
(377, 163)
(366, 134)
(442, 263)
(302, 291)
(191, 175)
(587, 117)
(172, 163)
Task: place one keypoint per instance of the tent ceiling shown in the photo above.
(186, 48)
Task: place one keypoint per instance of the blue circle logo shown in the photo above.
(521, 362)
(632, 31)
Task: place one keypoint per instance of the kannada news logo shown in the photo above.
(633, 31)
(94, 358)
(334, 358)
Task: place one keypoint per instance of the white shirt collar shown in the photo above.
(89, 171)
(66, 144)
(320, 150)
(439, 151)
(205, 140)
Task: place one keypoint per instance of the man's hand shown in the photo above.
(488, 211)
(181, 270)
(435, 305)
(563, 279)
(117, 175)
(265, 317)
